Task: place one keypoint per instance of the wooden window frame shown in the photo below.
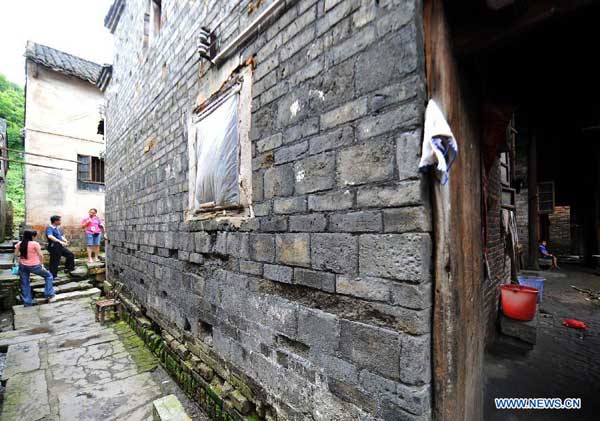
(90, 170)
(546, 211)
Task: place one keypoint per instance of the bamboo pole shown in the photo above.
(34, 165)
(40, 155)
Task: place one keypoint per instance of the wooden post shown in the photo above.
(533, 217)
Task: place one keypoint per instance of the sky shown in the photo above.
(73, 26)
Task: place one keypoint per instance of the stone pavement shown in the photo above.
(564, 363)
(62, 365)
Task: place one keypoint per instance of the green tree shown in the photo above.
(12, 109)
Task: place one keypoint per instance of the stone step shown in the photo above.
(38, 282)
(26, 397)
(79, 272)
(6, 275)
(7, 246)
(68, 287)
(6, 261)
(21, 358)
(87, 293)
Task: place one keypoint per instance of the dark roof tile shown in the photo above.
(63, 62)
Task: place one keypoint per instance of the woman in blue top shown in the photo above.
(545, 254)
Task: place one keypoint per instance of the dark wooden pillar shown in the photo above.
(533, 220)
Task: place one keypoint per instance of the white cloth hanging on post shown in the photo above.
(439, 145)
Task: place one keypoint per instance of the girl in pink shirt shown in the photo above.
(94, 228)
(30, 256)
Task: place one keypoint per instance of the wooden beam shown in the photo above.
(497, 30)
(533, 217)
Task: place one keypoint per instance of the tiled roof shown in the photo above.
(63, 62)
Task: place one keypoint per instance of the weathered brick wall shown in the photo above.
(522, 200)
(559, 241)
(495, 246)
(321, 303)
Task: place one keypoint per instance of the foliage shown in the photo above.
(12, 109)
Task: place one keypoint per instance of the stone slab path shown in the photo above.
(564, 362)
(62, 365)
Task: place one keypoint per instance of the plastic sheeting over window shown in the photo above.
(217, 155)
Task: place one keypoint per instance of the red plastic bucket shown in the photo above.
(518, 301)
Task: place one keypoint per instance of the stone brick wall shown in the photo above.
(521, 199)
(495, 246)
(320, 304)
(559, 240)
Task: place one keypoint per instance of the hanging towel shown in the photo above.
(439, 145)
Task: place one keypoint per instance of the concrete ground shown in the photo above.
(564, 363)
(62, 365)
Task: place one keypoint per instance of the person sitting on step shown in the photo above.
(30, 256)
(545, 254)
(57, 246)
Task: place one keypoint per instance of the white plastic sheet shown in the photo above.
(217, 155)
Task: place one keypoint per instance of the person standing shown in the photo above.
(93, 227)
(30, 256)
(57, 246)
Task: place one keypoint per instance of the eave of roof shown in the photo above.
(111, 20)
(62, 62)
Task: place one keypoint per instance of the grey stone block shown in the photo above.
(413, 296)
(238, 245)
(202, 242)
(368, 288)
(278, 273)
(339, 200)
(334, 252)
(400, 59)
(332, 140)
(352, 45)
(408, 154)
(375, 349)
(407, 219)
(315, 173)
(291, 153)
(352, 394)
(363, 221)
(262, 209)
(302, 130)
(279, 181)
(273, 224)
(169, 408)
(262, 247)
(315, 279)
(525, 331)
(289, 205)
(365, 163)
(407, 116)
(314, 222)
(293, 249)
(398, 15)
(269, 143)
(345, 113)
(415, 362)
(318, 329)
(401, 194)
(396, 256)
(336, 14)
(252, 268)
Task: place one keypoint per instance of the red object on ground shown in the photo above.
(518, 301)
(575, 324)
